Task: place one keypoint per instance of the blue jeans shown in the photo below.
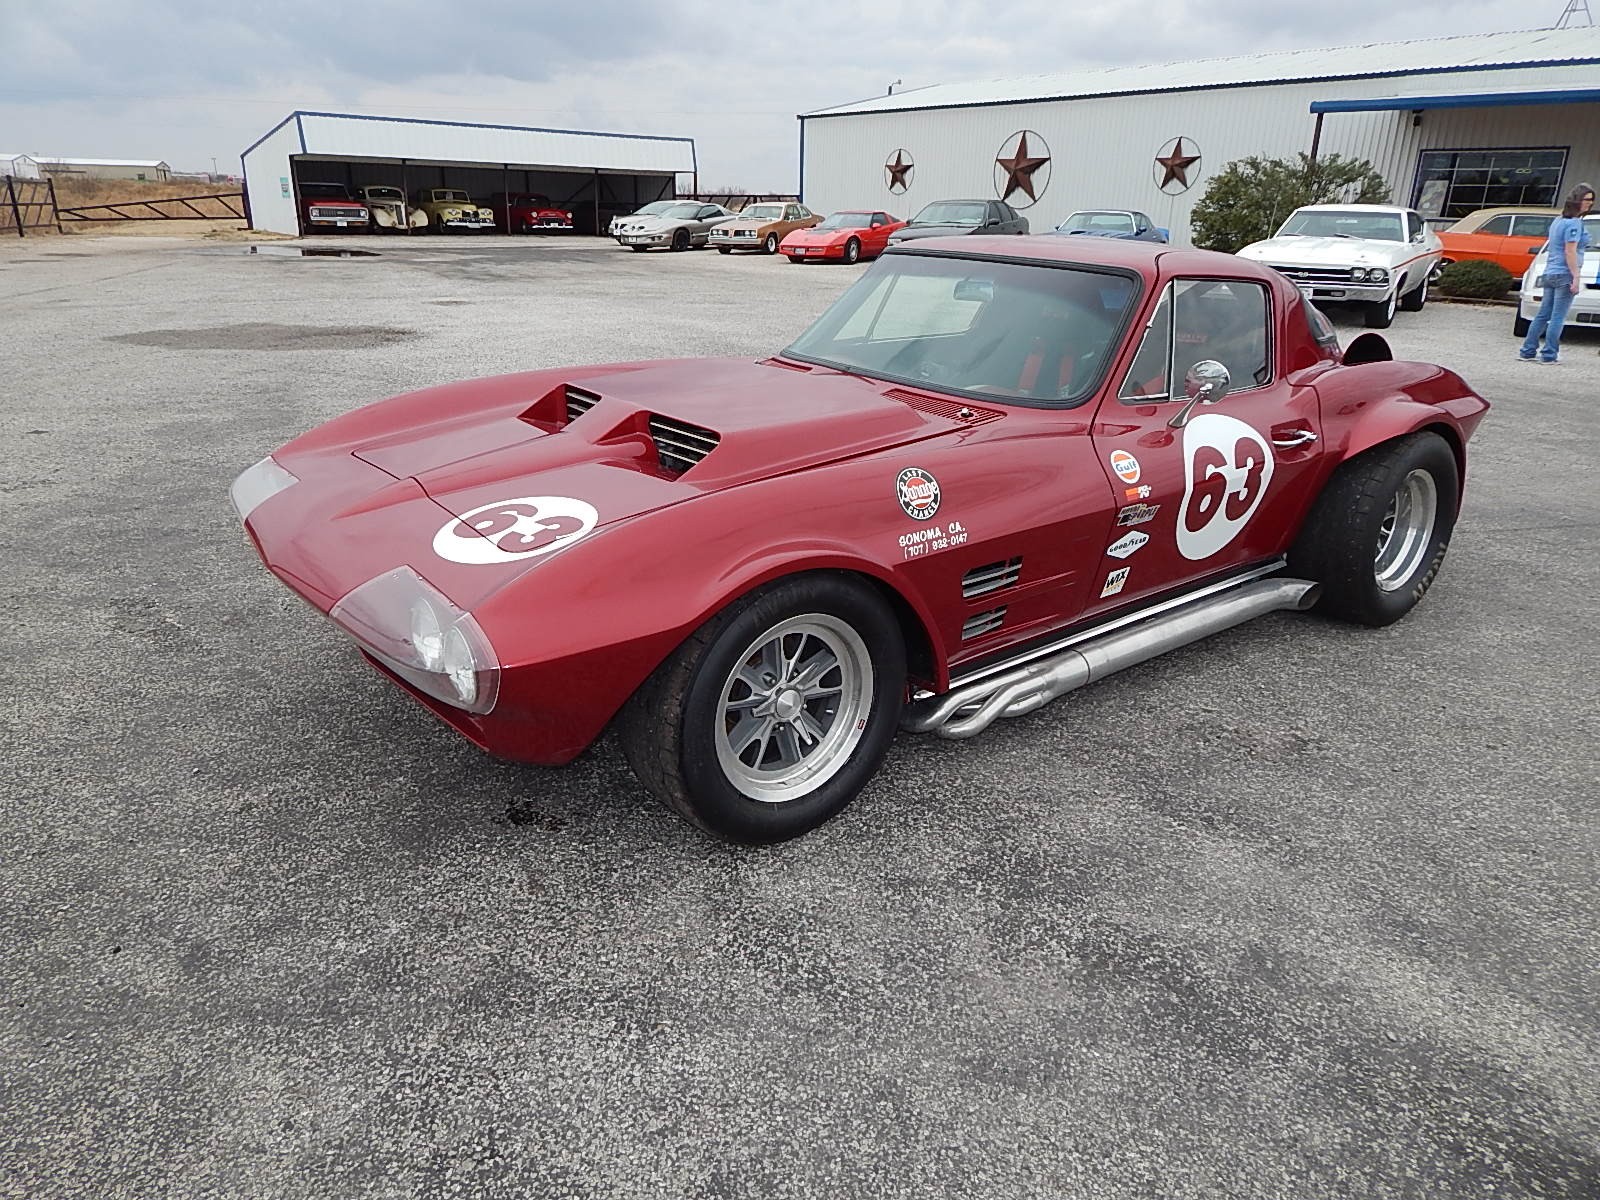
(1551, 317)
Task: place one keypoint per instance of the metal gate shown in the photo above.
(29, 204)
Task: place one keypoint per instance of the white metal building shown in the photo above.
(152, 170)
(1453, 124)
(596, 175)
(19, 166)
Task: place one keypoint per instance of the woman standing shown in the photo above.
(1563, 273)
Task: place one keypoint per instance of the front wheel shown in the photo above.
(680, 240)
(852, 251)
(771, 244)
(1378, 532)
(1416, 298)
(1380, 313)
(776, 712)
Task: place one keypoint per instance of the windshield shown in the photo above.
(843, 220)
(993, 329)
(763, 212)
(384, 193)
(446, 196)
(681, 211)
(948, 212)
(1099, 222)
(654, 209)
(1345, 222)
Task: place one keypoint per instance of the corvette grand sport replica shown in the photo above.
(996, 469)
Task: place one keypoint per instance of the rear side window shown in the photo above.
(1321, 328)
(1499, 226)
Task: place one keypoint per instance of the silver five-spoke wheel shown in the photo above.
(794, 708)
(1406, 531)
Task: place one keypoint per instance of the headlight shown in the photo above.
(1377, 275)
(412, 629)
(258, 484)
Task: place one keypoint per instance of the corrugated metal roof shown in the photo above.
(101, 162)
(1471, 52)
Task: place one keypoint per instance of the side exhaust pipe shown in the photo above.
(968, 710)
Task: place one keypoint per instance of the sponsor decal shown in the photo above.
(1137, 514)
(1142, 492)
(1114, 582)
(507, 530)
(918, 492)
(1125, 465)
(931, 538)
(1125, 546)
(1227, 468)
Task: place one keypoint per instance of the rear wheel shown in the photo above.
(852, 251)
(1380, 313)
(775, 713)
(724, 250)
(1378, 532)
(1520, 324)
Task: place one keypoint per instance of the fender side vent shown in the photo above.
(980, 581)
(950, 410)
(579, 402)
(679, 445)
(985, 622)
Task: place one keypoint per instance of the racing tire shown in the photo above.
(1378, 532)
(1520, 324)
(852, 251)
(1380, 313)
(724, 250)
(1416, 298)
(680, 239)
(824, 655)
(771, 244)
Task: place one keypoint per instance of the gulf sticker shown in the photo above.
(918, 493)
(507, 530)
(1227, 467)
(1125, 465)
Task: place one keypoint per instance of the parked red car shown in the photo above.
(994, 470)
(329, 206)
(847, 235)
(528, 212)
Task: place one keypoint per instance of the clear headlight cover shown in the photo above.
(1377, 275)
(257, 484)
(411, 628)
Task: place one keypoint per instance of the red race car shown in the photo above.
(848, 235)
(528, 212)
(996, 469)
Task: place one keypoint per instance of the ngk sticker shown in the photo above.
(1125, 546)
(918, 492)
(1125, 465)
(1227, 468)
(511, 529)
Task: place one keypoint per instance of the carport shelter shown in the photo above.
(596, 175)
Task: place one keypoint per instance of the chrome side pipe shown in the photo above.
(968, 710)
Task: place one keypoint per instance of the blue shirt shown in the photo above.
(1562, 231)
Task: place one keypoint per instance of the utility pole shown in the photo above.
(1570, 14)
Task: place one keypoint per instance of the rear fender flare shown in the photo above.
(1400, 417)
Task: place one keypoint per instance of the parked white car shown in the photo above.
(1380, 256)
(1585, 308)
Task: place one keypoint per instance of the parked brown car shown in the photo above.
(761, 227)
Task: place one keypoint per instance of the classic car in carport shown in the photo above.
(529, 212)
(452, 208)
(994, 470)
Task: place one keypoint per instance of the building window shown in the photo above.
(1453, 183)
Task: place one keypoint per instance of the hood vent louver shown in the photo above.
(984, 622)
(579, 402)
(950, 410)
(680, 445)
(980, 581)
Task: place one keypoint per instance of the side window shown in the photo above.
(1499, 226)
(1531, 225)
(1225, 320)
(709, 211)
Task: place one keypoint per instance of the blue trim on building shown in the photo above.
(800, 187)
(1209, 87)
(1459, 100)
(300, 126)
(292, 116)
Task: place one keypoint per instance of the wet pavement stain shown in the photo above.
(267, 336)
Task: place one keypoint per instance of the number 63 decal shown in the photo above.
(511, 529)
(1227, 467)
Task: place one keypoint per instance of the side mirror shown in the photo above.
(992, 223)
(1204, 383)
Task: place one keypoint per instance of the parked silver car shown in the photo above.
(681, 225)
(654, 209)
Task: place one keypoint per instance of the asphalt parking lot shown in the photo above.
(1301, 911)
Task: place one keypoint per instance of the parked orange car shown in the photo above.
(1499, 235)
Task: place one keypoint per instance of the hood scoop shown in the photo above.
(680, 445)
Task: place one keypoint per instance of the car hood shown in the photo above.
(813, 234)
(1325, 251)
(655, 224)
(728, 226)
(761, 419)
(912, 232)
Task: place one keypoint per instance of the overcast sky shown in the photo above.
(186, 82)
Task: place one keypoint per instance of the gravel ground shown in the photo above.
(1301, 911)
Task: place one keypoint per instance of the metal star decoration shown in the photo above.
(899, 169)
(1175, 166)
(1019, 169)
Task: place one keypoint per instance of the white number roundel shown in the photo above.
(511, 529)
(1227, 466)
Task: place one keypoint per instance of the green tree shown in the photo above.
(1250, 197)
